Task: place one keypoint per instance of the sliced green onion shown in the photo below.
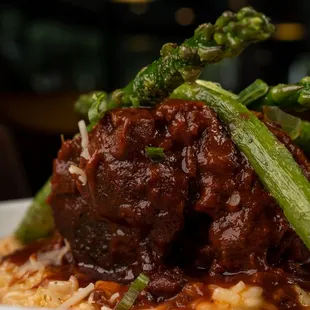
(289, 123)
(155, 153)
(98, 107)
(217, 87)
(134, 290)
(253, 92)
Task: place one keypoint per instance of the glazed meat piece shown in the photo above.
(200, 207)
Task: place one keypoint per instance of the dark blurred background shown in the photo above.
(52, 51)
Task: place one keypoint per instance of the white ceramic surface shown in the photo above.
(11, 213)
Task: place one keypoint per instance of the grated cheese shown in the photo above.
(44, 259)
(84, 139)
(77, 297)
(114, 297)
(82, 175)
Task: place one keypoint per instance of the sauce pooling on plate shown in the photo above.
(196, 211)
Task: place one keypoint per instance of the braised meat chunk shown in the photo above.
(200, 206)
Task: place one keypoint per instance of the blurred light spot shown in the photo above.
(290, 32)
(132, 1)
(139, 8)
(185, 16)
(139, 44)
(236, 5)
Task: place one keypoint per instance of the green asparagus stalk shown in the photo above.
(210, 44)
(273, 163)
(258, 96)
(295, 127)
(253, 92)
(38, 222)
(218, 88)
(287, 96)
(230, 35)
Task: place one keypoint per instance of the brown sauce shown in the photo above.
(277, 285)
(197, 215)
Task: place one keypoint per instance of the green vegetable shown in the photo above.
(155, 153)
(217, 87)
(210, 44)
(296, 128)
(270, 159)
(134, 290)
(98, 106)
(38, 221)
(83, 104)
(253, 92)
(286, 96)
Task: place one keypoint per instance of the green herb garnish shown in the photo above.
(155, 153)
(134, 290)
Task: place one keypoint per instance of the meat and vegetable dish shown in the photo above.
(176, 193)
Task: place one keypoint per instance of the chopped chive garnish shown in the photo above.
(155, 153)
(133, 292)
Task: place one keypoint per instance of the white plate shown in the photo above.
(11, 213)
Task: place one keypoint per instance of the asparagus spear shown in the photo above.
(287, 96)
(258, 96)
(273, 163)
(38, 222)
(253, 92)
(210, 44)
(296, 128)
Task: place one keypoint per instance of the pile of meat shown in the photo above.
(199, 210)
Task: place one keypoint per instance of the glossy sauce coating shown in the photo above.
(198, 213)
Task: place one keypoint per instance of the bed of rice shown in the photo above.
(25, 286)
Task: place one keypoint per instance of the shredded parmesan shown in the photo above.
(82, 175)
(91, 299)
(44, 259)
(84, 139)
(77, 297)
(114, 297)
